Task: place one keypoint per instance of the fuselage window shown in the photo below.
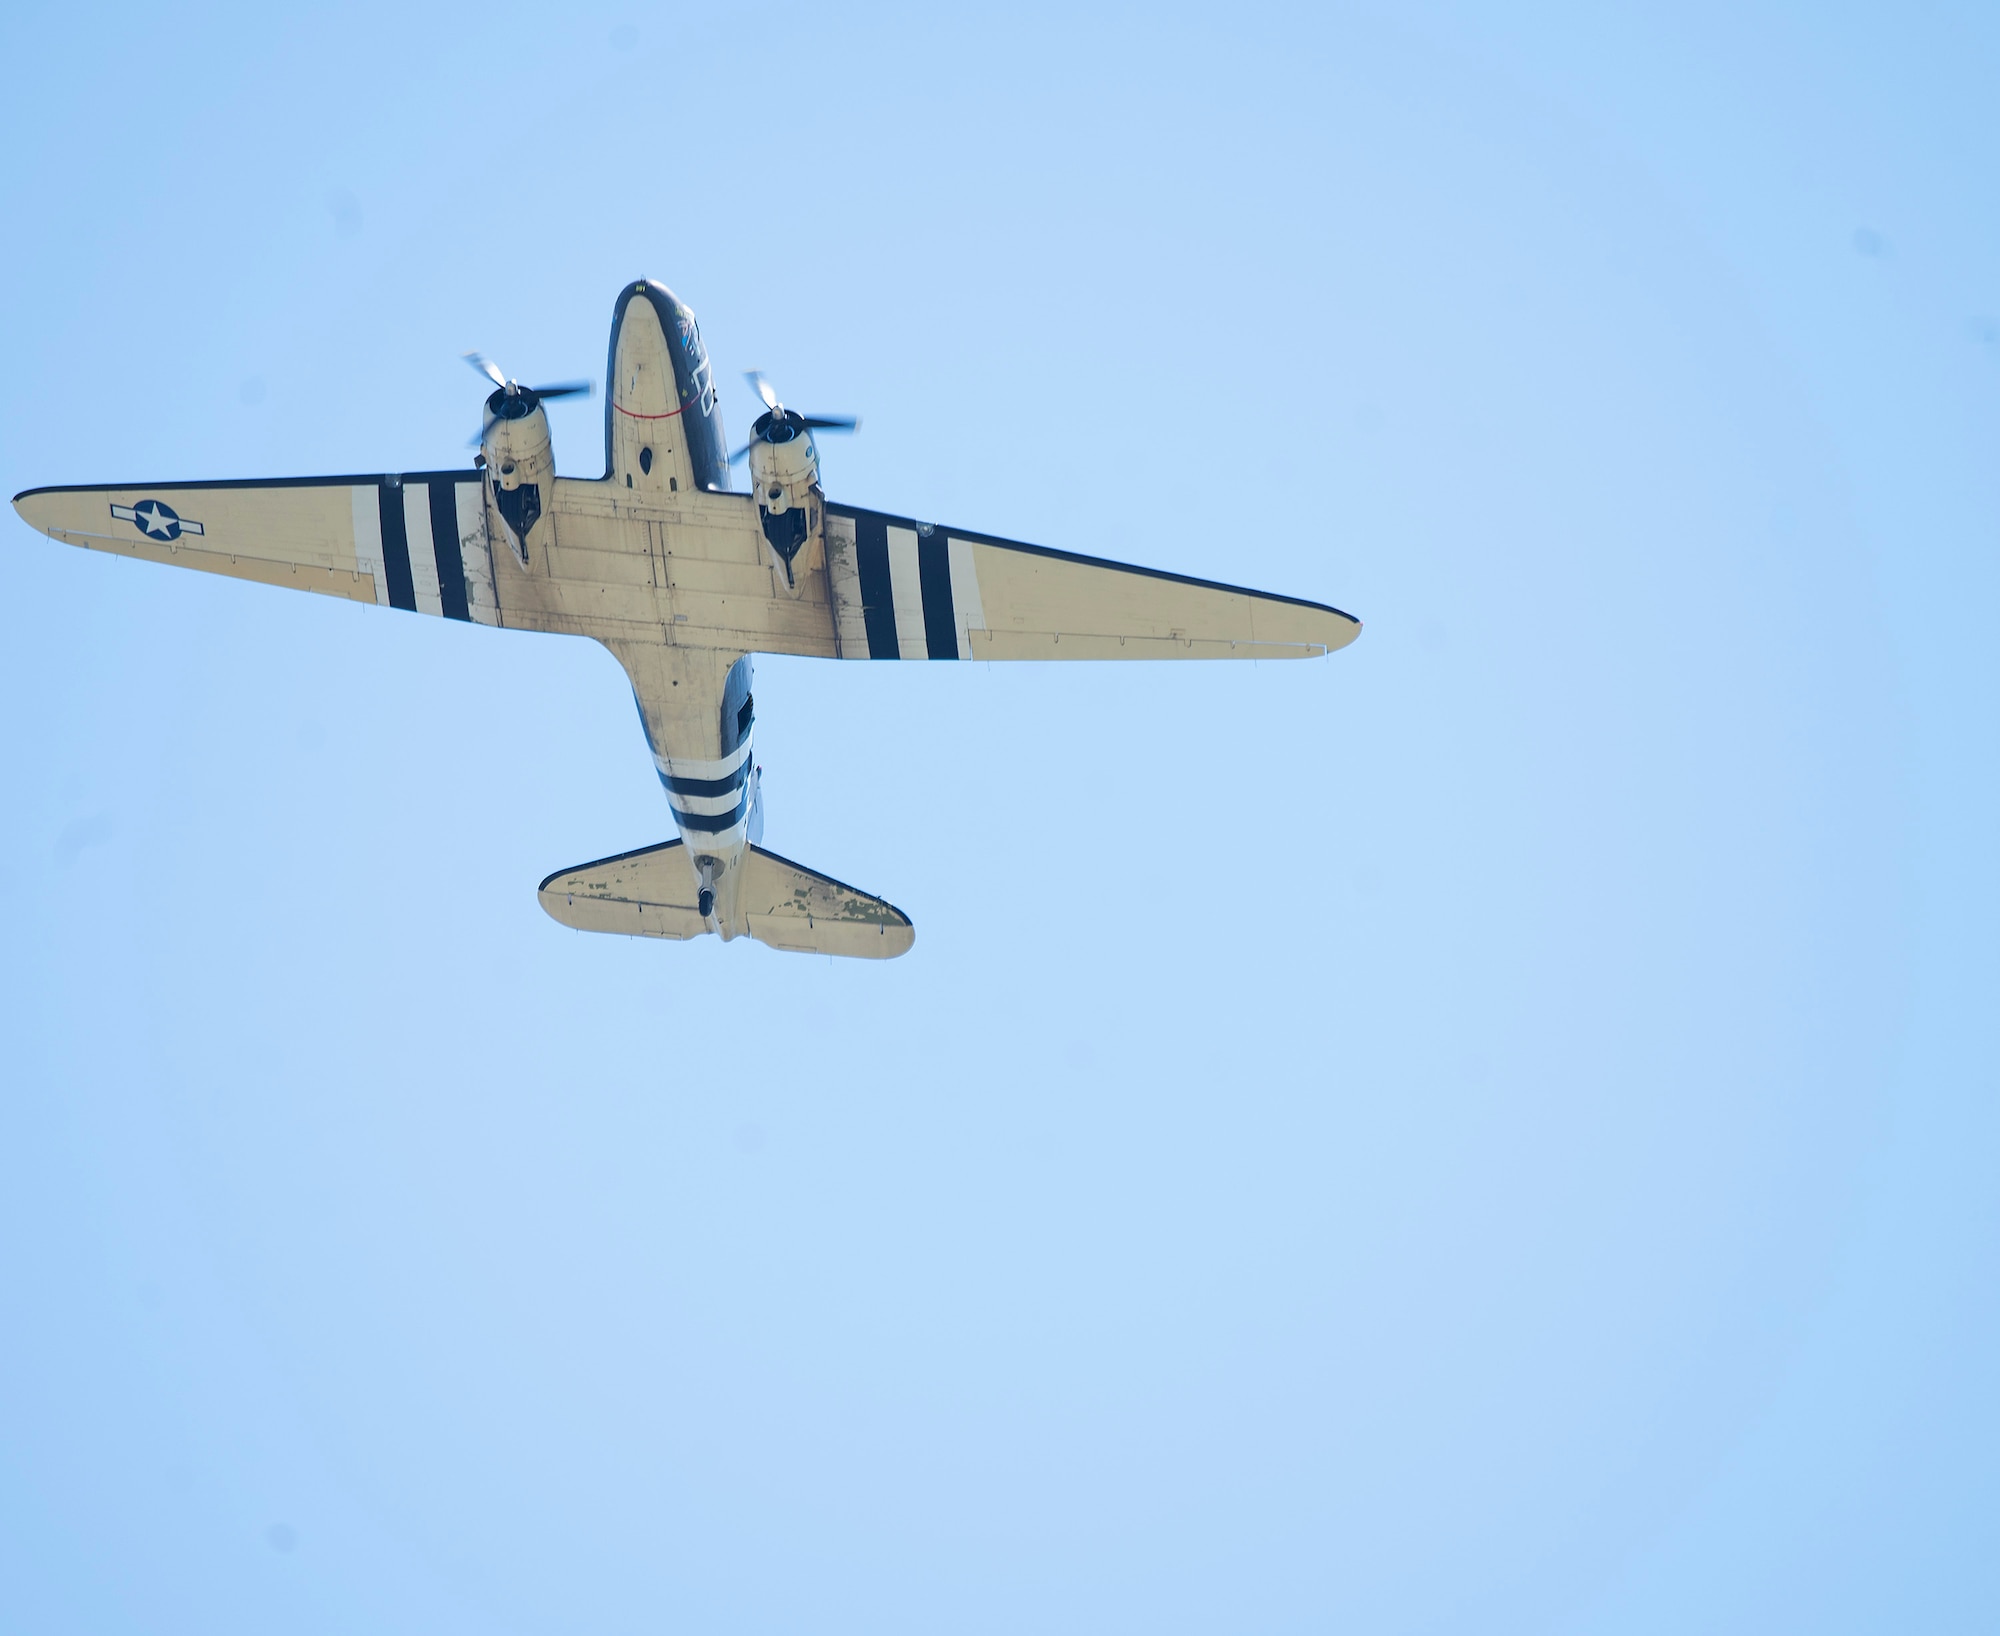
(646, 461)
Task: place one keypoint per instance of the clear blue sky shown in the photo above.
(1492, 1132)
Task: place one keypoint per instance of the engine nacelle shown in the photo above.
(520, 465)
(784, 475)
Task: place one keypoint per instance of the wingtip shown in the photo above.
(23, 504)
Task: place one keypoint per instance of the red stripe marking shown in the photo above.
(669, 415)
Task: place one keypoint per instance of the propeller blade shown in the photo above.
(762, 388)
(566, 389)
(832, 423)
(488, 368)
(739, 454)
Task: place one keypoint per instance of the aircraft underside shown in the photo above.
(683, 581)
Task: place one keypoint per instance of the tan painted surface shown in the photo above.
(679, 584)
(1039, 607)
(646, 410)
(651, 893)
(301, 537)
(635, 567)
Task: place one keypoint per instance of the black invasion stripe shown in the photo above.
(934, 581)
(396, 548)
(878, 595)
(450, 561)
(707, 786)
(709, 823)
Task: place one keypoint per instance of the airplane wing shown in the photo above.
(416, 541)
(907, 590)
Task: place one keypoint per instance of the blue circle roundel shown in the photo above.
(156, 520)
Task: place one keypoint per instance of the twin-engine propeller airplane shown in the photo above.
(683, 581)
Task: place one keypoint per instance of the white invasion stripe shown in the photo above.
(683, 767)
(482, 601)
(423, 549)
(368, 538)
(965, 604)
(850, 628)
(907, 588)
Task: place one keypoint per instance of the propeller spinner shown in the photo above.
(510, 400)
(781, 425)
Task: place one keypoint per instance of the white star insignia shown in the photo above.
(151, 520)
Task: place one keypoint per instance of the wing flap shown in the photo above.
(907, 590)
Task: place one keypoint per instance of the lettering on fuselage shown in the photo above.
(701, 373)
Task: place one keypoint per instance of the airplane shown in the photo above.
(684, 580)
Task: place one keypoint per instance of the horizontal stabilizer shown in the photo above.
(791, 907)
(648, 893)
(652, 893)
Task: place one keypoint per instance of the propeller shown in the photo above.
(780, 425)
(510, 400)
